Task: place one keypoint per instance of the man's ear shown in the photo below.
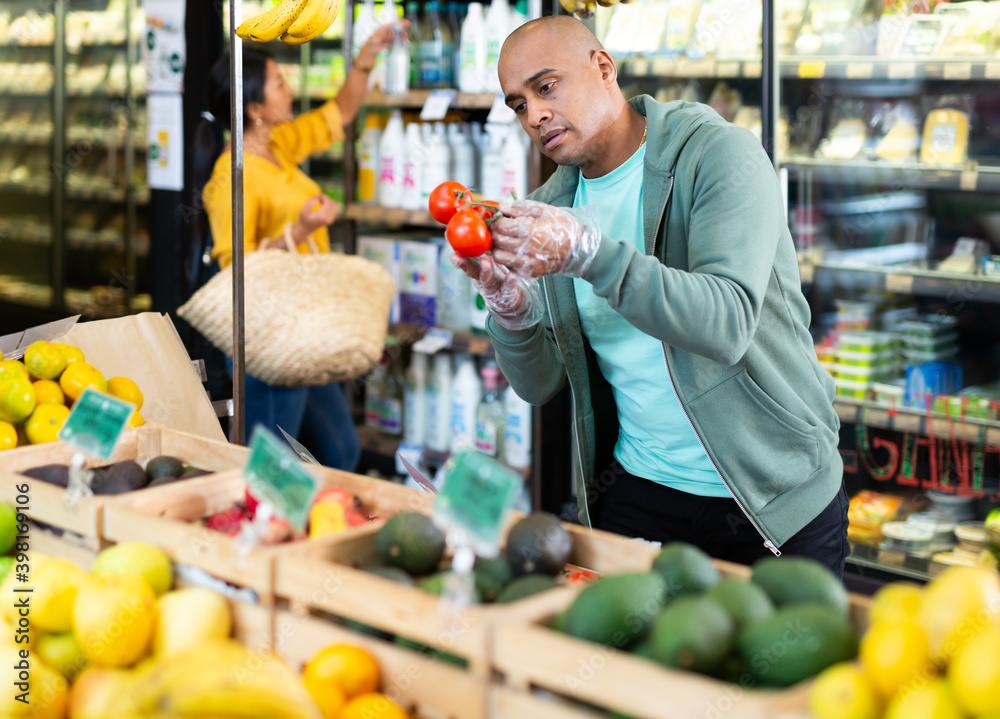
(604, 64)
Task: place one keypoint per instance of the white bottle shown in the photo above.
(391, 155)
(415, 409)
(439, 404)
(463, 155)
(413, 169)
(490, 416)
(497, 21)
(373, 392)
(454, 288)
(397, 64)
(437, 164)
(472, 131)
(365, 24)
(491, 179)
(466, 392)
(517, 435)
(472, 50)
(368, 166)
(515, 165)
(378, 77)
(516, 20)
(427, 133)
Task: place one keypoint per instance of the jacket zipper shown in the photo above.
(666, 363)
(572, 396)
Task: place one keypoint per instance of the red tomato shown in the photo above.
(446, 199)
(487, 209)
(468, 234)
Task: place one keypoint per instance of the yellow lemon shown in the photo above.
(48, 391)
(126, 389)
(932, 700)
(113, 618)
(55, 585)
(8, 436)
(12, 368)
(17, 399)
(45, 422)
(71, 353)
(354, 669)
(328, 695)
(896, 656)
(373, 706)
(974, 674)
(137, 420)
(844, 692)
(44, 360)
(958, 604)
(894, 602)
(46, 690)
(80, 375)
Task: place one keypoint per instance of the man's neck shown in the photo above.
(621, 139)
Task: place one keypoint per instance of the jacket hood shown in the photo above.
(670, 125)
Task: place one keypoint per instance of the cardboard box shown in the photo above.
(384, 251)
(145, 348)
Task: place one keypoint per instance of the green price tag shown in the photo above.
(477, 493)
(276, 476)
(96, 422)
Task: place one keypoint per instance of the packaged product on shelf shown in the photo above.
(418, 269)
(391, 156)
(439, 404)
(466, 391)
(848, 130)
(828, 27)
(397, 72)
(496, 30)
(491, 170)
(897, 131)
(491, 417)
(463, 155)
(517, 431)
(472, 51)
(514, 160)
(436, 49)
(391, 397)
(922, 36)
(415, 405)
(648, 38)
(437, 164)
(413, 175)
(946, 135)
(969, 28)
(925, 381)
(453, 296)
(789, 15)
(681, 17)
(373, 392)
(867, 512)
(385, 252)
(740, 37)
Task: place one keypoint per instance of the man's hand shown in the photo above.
(510, 298)
(536, 239)
(319, 211)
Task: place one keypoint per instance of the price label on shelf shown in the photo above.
(969, 178)
(902, 70)
(957, 70)
(860, 70)
(664, 66)
(475, 498)
(437, 104)
(499, 112)
(96, 422)
(727, 69)
(752, 69)
(812, 69)
(902, 284)
(435, 340)
(275, 475)
(991, 71)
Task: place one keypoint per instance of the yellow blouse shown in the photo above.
(273, 195)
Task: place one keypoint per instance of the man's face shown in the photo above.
(559, 97)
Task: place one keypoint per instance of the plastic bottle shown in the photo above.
(466, 392)
(491, 179)
(392, 155)
(397, 69)
(373, 392)
(435, 49)
(437, 162)
(463, 155)
(455, 23)
(518, 15)
(368, 165)
(515, 165)
(415, 404)
(517, 434)
(413, 41)
(439, 404)
(391, 416)
(491, 418)
(454, 288)
(364, 25)
(413, 169)
(472, 50)
(497, 28)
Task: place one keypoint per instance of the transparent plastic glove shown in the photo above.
(513, 300)
(536, 239)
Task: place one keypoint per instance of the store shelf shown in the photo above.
(27, 136)
(970, 177)
(417, 98)
(902, 565)
(905, 419)
(682, 67)
(904, 68)
(376, 442)
(94, 136)
(28, 186)
(391, 217)
(921, 282)
(460, 341)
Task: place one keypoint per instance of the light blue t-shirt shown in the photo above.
(655, 439)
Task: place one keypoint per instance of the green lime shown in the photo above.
(8, 527)
(6, 564)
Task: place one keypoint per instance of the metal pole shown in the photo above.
(131, 53)
(767, 80)
(58, 256)
(237, 433)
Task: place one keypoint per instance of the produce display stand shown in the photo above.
(169, 517)
(531, 656)
(326, 578)
(82, 522)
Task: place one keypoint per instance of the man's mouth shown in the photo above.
(553, 138)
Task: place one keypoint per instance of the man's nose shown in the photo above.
(538, 114)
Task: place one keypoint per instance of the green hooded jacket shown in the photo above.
(719, 286)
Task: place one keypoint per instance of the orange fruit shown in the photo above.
(328, 695)
(45, 422)
(17, 399)
(354, 669)
(12, 368)
(44, 360)
(126, 389)
(48, 391)
(80, 375)
(373, 706)
(8, 436)
(896, 656)
(71, 353)
(137, 420)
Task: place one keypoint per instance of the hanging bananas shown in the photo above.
(294, 21)
(583, 9)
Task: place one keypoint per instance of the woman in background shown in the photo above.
(281, 204)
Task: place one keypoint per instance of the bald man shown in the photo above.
(669, 300)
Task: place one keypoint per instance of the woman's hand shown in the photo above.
(380, 40)
(319, 211)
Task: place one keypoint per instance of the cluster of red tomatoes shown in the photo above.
(468, 219)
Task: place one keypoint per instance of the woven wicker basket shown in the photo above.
(310, 319)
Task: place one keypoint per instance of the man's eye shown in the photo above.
(519, 108)
(547, 87)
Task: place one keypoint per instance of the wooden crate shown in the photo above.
(168, 516)
(534, 659)
(327, 577)
(427, 688)
(46, 502)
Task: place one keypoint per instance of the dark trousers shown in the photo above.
(639, 507)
